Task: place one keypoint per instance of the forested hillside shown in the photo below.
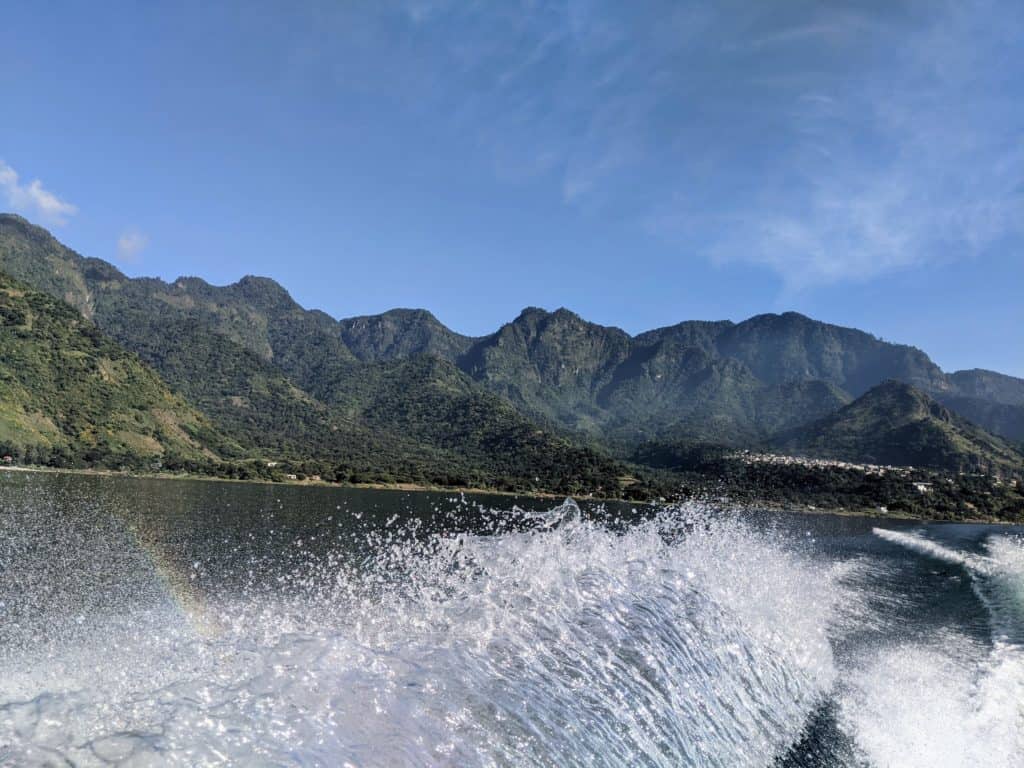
(547, 394)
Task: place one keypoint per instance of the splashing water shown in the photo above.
(687, 639)
(934, 704)
(162, 630)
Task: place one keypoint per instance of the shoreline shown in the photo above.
(771, 507)
(401, 486)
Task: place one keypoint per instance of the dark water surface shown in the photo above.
(166, 622)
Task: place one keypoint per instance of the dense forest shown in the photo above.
(102, 370)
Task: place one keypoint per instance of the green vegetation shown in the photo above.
(735, 383)
(420, 421)
(263, 388)
(453, 433)
(999, 418)
(895, 423)
(71, 397)
(709, 471)
(400, 334)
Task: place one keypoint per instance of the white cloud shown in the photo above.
(130, 245)
(829, 142)
(914, 158)
(33, 198)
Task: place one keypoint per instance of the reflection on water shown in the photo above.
(150, 622)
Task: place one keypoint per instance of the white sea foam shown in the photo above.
(925, 546)
(950, 701)
(686, 640)
(935, 706)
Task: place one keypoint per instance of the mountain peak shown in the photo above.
(896, 423)
(401, 333)
(18, 225)
(264, 291)
(411, 314)
(190, 281)
(251, 282)
(14, 219)
(531, 313)
(533, 316)
(541, 312)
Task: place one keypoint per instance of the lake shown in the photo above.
(173, 622)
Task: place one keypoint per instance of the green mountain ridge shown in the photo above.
(70, 396)
(277, 379)
(279, 382)
(897, 424)
(400, 334)
(989, 385)
(710, 380)
(998, 418)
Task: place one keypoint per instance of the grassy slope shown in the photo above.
(70, 395)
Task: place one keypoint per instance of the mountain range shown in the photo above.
(897, 424)
(547, 397)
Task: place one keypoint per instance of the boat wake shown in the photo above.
(687, 639)
(949, 700)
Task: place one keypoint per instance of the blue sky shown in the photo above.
(639, 163)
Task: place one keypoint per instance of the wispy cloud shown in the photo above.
(828, 142)
(33, 198)
(910, 156)
(130, 246)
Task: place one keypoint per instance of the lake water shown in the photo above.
(148, 622)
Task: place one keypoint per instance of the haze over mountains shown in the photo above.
(895, 423)
(401, 389)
